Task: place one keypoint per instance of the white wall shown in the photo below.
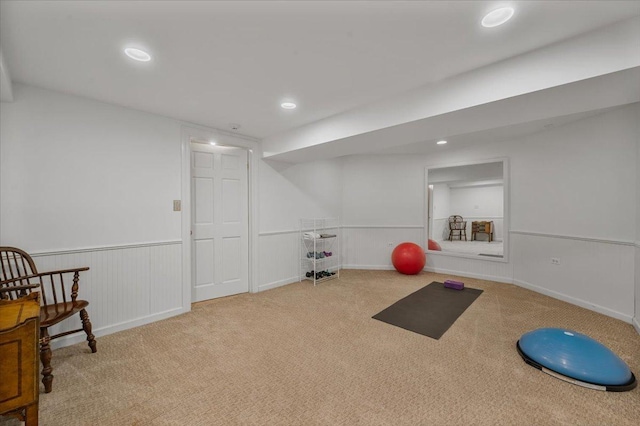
(383, 191)
(560, 191)
(467, 173)
(289, 192)
(441, 201)
(637, 244)
(484, 201)
(441, 211)
(84, 183)
(79, 173)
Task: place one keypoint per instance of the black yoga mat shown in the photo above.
(429, 311)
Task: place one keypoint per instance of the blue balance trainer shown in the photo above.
(575, 358)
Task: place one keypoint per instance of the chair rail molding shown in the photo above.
(127, 285)
(103, 248)
(576, 237)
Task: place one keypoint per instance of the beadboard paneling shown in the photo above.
(595, 275)
(126, 286)
(279, 259)
(468, 267)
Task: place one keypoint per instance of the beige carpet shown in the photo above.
(299, 355)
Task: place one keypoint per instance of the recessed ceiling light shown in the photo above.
(441, 142)
(137, 54)
(288, 105)
(497, 17)
(212, 142)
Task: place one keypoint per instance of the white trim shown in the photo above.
(80, 336)
(278, 283)
(104, 248)
(268, 233)
(495, 278)
(370, 267)
(206, 133)
(575, 301)
(471, 256)
(384, 226)
(577, 238)
(636, 324)
(461, 254)
(477, 217)
(505, 209)
(435, 270)
(292, 231)
(254, 153)
(637, 244)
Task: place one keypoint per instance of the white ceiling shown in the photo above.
(494, 135)
(217, 63)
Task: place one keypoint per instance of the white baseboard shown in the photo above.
(496, 278)
(279, 283)
(72, 339)
(636, 324)
(575, 301)
(370, 267)
(436, 270)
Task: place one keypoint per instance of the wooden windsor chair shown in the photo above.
(59, 299)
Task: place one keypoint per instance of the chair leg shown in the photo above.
(45, 358)
(86, 326)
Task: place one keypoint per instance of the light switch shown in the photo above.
(177, 205)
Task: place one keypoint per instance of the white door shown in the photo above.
(219, 194)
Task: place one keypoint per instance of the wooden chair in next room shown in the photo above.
(459, 225)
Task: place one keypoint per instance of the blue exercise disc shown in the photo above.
(576, 358)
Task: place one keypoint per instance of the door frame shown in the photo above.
(254, 153)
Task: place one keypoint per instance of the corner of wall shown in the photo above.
(636, 319)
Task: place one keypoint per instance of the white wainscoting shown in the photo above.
(127, 286)
(595, 274)
(279, 258)
(468, 267)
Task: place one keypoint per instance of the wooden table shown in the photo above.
(483, 227)
(19, 364)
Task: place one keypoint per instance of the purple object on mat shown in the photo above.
(456, 285)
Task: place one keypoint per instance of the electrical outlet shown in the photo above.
(555, 260)
(177, 205)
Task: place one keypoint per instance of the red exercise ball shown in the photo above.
(408, 258)
(433, 245)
